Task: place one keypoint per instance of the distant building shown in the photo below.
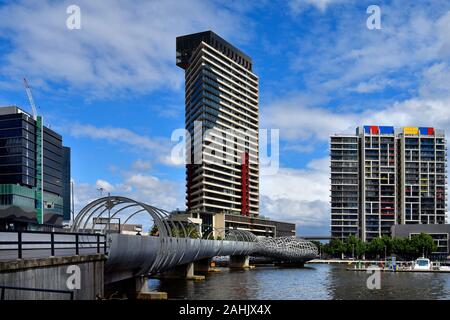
(383, 176)
(21, 172)
(258, 226)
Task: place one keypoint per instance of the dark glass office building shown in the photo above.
(19, 173)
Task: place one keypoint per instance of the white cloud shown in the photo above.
(299, 5)
(353, 57)
(140, 164)
(373, 85)
(158, 148)
(121, 47)
(164, 194)
(104, 185)
(300, 196)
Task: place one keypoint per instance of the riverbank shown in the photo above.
(349, 261)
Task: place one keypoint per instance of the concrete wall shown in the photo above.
(52, 273)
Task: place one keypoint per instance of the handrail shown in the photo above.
(78, 244)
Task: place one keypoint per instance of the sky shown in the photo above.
(112, 88)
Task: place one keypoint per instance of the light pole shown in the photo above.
(72, 204)
(109, 211)
(101, 191)
(353, 251)
(385, 254)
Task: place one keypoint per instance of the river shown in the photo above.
(314, 282)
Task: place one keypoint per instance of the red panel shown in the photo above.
(431, 131)
(245, 201)
(188, 185)
(374, 130)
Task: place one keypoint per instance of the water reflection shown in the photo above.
(313, 282)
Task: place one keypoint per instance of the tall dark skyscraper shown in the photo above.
(222, 97)
(19, 172)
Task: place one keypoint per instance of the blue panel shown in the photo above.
(423, 130)
(367, 129)
(386, 130)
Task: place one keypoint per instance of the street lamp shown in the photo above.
(72, 187)
(101, 191)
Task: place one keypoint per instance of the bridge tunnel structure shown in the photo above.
(174, 243)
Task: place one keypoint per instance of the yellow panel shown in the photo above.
(410, 130)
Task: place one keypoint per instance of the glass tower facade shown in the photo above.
(222, 107)
(18, 172)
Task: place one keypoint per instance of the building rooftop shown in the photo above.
(187, 44)
(12, 110)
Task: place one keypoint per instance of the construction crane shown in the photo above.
(39, 157)
(30, 98)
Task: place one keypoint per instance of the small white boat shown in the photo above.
(422, 264)
(444, 267)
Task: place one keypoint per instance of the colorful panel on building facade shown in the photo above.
(386, 129)
(426, 131)
(371, 130)
(410, 130)
(245, 182)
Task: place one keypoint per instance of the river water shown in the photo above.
(314, 282)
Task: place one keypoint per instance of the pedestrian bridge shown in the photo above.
(174, 243)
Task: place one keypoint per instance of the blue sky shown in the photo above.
(113, 90)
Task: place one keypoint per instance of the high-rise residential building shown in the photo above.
(221, 97)
(26, 159)
(382, 176)
(344, 185)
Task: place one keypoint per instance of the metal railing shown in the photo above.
(4, 288)
(37, 244)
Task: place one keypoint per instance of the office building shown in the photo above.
(221, 98)
(384, 176)
(31, 172)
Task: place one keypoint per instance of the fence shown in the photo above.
(37, 244)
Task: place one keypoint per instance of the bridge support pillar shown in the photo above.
(134, 288)
(185, 271)
(239, 262)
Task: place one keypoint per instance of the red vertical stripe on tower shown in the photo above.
(374, 130)
(431, 131)
(188, 185)
(245, 210)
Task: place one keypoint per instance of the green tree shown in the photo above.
(376, 247)
(192, 232)
(387, 241)
(360, 248)
(154, 231)
(336, 247)
(422, 244)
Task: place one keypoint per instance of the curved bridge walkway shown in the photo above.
(134, 255)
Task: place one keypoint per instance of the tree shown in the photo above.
(192, 232)
(154, 231)
(376, 247)
(422, 244)
(335, 247)
(387, 241)
(360, 248)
